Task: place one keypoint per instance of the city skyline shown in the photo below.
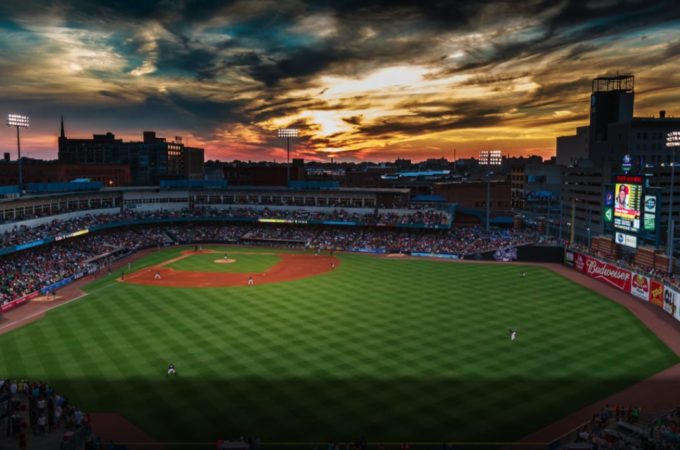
(363, 81)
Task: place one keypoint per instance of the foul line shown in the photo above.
(45, 311)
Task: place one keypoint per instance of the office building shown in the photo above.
(572, 148)
(151, 160)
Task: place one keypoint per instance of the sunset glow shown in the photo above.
(361, 80)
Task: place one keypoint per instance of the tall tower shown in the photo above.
(63, 142)
(611, 101)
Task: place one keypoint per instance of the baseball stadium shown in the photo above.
(340, 318)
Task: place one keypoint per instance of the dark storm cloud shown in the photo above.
(551, 94)
(210, 64)
(354, 120)
(576, 24)
(407, 125)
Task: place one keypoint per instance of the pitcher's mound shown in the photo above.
(224, 261)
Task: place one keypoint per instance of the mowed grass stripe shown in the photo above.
(387, 349)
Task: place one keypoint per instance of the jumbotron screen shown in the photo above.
(627, 206)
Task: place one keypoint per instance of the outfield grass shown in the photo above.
(246, 262)
(383, 348)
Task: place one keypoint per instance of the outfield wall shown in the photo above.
(642, 287)
(527, 253)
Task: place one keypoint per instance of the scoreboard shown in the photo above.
(630, 208)
(627, 201)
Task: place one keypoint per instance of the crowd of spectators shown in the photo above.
(21, 234)
(283, 234)
(38, 409)
(665, 431)
(456, 241)
(24, 272)
(623, 428)
(183, 234)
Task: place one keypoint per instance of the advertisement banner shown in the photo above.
(626, 239)
(436, 255)
(609, 198)
(640, 287)
(569, 258)
(62, 283)
(650, 213)
(368, 250)
(670, 300)
(602, 271)
(676, 300)
(60, 237)
(656, 293)
(18, 301)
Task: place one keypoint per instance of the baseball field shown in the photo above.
(325, 348)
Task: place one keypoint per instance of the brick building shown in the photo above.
(57, 172)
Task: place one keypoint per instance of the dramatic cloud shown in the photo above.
(378, 79)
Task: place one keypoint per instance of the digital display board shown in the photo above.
(630, 179)
(627, 198)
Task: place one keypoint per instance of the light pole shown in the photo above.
(489, 158)
(672, 142)
(571, 239)
(588, 230)
(288, 134)
(18, 121)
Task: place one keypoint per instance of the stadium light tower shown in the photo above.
(288, 134)
(489, 159)
(672, 142)
(18, 121)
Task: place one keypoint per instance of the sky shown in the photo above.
(361, 80)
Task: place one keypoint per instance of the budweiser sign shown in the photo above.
(612, 275)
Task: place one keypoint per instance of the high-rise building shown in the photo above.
(583, 188)
(643, 138)
(572, 148)
(150, 160)
(611, 101)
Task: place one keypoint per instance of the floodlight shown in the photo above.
(288, 132)
(490, 158)
(17, 120)
(673, 139)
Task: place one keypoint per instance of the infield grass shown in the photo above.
(245, 262)
(387, 349)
